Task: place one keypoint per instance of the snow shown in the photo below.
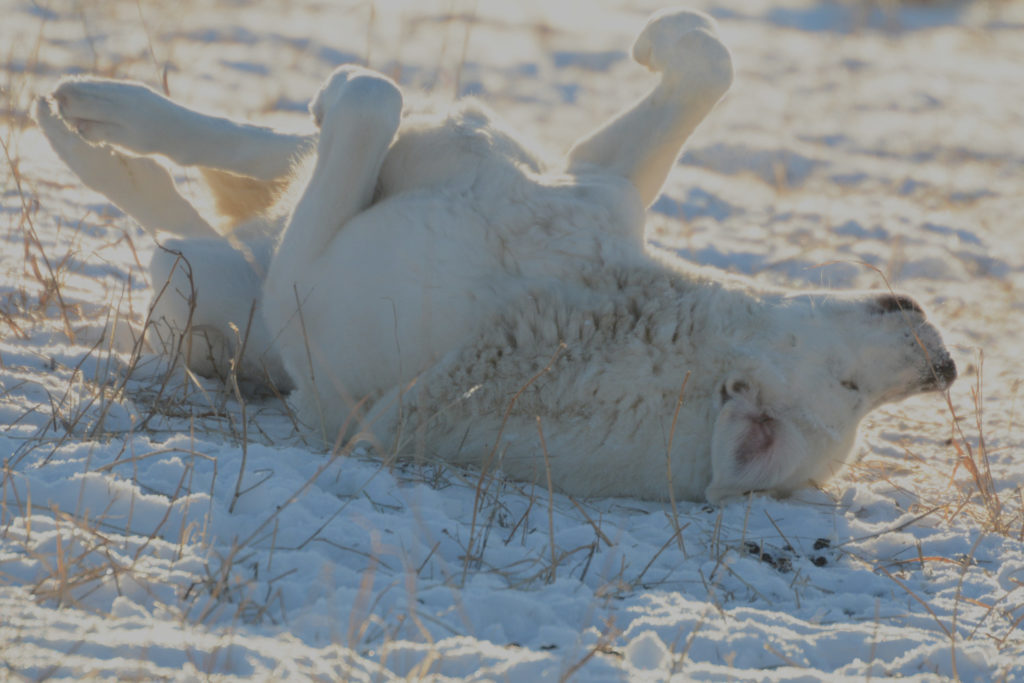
(154, 526)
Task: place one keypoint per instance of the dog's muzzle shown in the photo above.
(943, 373)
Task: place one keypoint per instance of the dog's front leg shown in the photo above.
(358, 113)
(642, 143)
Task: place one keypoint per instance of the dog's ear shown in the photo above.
(752, 447)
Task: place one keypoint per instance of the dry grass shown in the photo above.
(997, 511)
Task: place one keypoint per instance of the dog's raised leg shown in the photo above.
(245, 166)
(142, 121)
(202, 285)
(358, 112)
(140, 187)
(642, 143)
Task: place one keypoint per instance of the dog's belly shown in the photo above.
(415, 276)
(399, 286)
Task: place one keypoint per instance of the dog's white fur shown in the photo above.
(436, 286)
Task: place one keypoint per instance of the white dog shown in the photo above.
(432, 284)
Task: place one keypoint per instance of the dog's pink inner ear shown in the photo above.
(744, 424)
(750, 449)
(757, 440)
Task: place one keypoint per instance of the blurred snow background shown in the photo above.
(153, 527)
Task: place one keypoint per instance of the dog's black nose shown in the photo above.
(945, 372)
(890, 303)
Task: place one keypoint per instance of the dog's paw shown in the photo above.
(104, 111)
(685, 43)
(69, 146)
(44, 114)
(352, 91)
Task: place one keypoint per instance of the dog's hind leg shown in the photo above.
(245, 166)
(142, 121)
(204, 288)
(642, 143)
(358, 112)
(206, 308)
(140, 187)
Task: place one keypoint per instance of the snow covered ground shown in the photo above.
(155, 527)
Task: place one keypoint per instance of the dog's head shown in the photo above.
(789, 403)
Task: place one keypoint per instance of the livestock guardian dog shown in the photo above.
(431, 287)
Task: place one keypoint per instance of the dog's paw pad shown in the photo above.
(352, 90)
(684, 41)
(107, 111)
